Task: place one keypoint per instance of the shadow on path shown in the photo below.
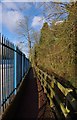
(25, 104)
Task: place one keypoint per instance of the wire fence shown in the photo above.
(13, 66)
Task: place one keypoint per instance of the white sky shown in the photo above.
(37, 21)
(39, 0)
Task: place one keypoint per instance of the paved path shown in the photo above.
(30, 101)
(28, 107)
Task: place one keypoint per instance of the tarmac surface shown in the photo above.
(30, 101)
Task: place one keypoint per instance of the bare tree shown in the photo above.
(23, 31)
(35, 35)
(54, 11)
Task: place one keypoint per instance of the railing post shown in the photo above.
(22, 65)
(15, 69)
(0, 77)
(1, 96)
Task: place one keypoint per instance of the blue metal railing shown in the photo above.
(13, 66)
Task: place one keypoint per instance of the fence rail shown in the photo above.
(13, 66)
(62, 96)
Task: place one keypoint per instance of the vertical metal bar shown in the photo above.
(17, 62)
(9, 67)
(2, 77)
(5, 74)
(7, 71)
(14, 65)
(10, 70)
(1, 73)
(22, 65)
(25, 64)
(18, 67)
(15, 69)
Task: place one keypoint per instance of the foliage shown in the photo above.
(56, 50)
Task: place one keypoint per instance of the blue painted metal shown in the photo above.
(15, 69)
(22, 65)
(13, 66)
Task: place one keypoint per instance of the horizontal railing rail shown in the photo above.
(13, 66)
(62, 97)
